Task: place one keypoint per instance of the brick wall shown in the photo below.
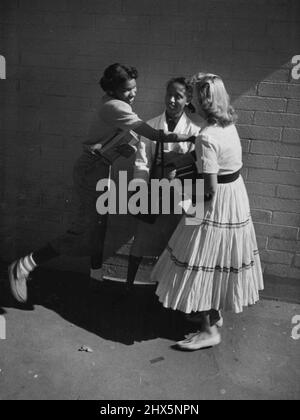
(55, 52)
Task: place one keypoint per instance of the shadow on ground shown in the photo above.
(104, 309)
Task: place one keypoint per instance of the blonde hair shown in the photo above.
(213, 99)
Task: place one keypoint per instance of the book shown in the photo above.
(109, 149)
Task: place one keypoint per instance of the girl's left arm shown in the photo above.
(210, 185)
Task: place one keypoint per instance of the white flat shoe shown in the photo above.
(97, 274)
(18, 283)
(196, 343)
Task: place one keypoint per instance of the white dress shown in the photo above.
(214, 264)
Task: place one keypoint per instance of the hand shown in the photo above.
(171, 138)
(166, 137)
(171, 175)
(126, 150)
(94, 148)
(192, 139)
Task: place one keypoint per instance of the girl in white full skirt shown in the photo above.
(213, 264)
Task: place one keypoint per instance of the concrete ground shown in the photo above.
(131, 339)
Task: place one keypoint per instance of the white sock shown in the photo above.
(97, 274)
(27, 264)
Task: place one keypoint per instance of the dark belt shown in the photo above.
(222, 179)
(225, 179)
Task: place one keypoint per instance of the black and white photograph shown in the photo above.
(149, 202)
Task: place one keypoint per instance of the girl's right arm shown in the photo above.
(119, 115)
(160, 136)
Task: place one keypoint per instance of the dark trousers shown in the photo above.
(86, 234)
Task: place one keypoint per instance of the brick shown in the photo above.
(262, 216)
(266, 59)
(211, 58)
(251, 43)
(30, 17)
(277, 257)
(236, 87)
(281, 270)
(274, 204)
(289, 164)
(283, 27)
(51, 142)
(56, 5)
(236, 26)
(291, 135)
(273, 177)
(60, 88)
(275, 149)
(259, 161)
(286, 219)
(155, 7)
(59, 75)
(260, 104)
(33, 45)
(213, 39)
(177, 24)
(8, 4)
(224, 26)
(254, 73)
(245, 117)
(259, 188)
(258, 10)
(261, 242)
(158, 37)
(272, 231)
(254, 132)
(297, 260)
(22, 100)
(288, 192)
(75, 20)
(283, 245)
(96, 6)
(64, 103)
(245, 145)
(293, 106)
(53, 127)
(46, 32)
(277, 120)
(294, 273)
(279, 75)
(244, 172)
(25, 119)
(123, 21)
(279, 90)
(9, 16)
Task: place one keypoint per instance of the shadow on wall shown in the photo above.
(51, 87)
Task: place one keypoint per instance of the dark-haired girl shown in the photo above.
(178, 97)
(113, 117)
(213, 264)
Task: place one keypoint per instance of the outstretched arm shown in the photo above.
(160, 136)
